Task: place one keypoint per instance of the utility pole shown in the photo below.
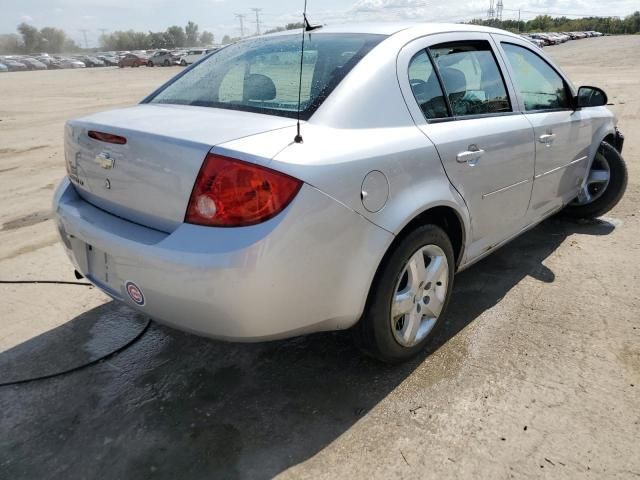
(84, 34)
(518, 19)
(491, 12)
(241, 17)
(257, 10)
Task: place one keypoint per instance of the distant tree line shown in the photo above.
(173, 37)
(33, 40)
(546, 23)
(289, 26)
(53, 40)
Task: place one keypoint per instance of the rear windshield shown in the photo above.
(261, 75)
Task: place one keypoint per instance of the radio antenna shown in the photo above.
(307, 27)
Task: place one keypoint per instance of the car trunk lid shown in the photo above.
(149, 179)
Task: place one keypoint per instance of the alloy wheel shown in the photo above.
(419, 295)
(596, 183)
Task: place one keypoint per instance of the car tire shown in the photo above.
(380, 332)
(149, 63)
(183, 63)
(166, 63)
(607, 158)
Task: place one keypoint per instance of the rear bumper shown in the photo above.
(308, 269)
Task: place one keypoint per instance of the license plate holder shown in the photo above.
(101, 269)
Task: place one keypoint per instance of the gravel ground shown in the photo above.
(536, 374)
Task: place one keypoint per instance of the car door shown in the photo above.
(563, 135)
(486, 146)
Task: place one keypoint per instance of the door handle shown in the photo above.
(470, 156)
(547, 138)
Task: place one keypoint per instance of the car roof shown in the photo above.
(390, 28)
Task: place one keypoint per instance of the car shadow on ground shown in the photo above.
(173, 405)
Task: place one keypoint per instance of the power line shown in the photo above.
(241, 17)
(257, 10)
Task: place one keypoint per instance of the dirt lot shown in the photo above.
(536, 374)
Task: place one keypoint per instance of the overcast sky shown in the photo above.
(218, 16)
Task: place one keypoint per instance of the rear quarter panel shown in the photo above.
(336, 161)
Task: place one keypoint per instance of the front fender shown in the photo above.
(605, 126)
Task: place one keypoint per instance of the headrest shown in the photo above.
(259, 87)
(454, 81)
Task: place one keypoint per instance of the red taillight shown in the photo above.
(107, 137)
(233, 193)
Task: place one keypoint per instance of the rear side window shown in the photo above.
(471, 78)
(261, 75)
(540, 86)
(426, 87)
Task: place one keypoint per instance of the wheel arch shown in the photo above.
(610, 138)
(606, 133)
(444, 216)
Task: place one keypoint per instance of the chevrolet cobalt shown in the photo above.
(421, 149)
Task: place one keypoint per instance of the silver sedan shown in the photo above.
(421, 148)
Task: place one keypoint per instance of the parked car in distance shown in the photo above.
(192, 56)
(33, 64)
(13, 65)
(66, 62)
(162, 58)
(109, 60)
(90, 61)
(536, 41)
(132, 60)
(46, 59)
(209, 208)
(3, 68)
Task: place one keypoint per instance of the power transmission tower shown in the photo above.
(84, 34)
(491, 12)
(257, 10)
(241, 17)
(499, 10)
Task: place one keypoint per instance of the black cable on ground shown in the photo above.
(53, 282)
(80, 367)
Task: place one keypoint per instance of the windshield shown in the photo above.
(262, 75)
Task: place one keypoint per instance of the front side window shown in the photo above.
(262, 75)
(426, 87)
(471, 78)
(540, 86)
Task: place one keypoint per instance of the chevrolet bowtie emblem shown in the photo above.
(105, 160)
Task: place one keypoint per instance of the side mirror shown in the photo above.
(590, 97)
